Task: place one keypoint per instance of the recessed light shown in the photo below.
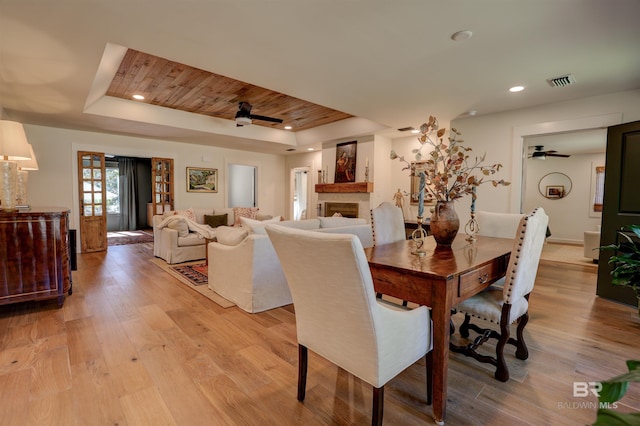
(138, 97)
(288, 127)
(415, 131)
(309, 149)
(461, 35)
(515, 89)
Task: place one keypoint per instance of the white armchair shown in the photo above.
(339, 317)
(509, 303)
(591, 244)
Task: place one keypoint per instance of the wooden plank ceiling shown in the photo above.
(173, 85)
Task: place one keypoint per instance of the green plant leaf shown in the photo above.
(613, 418)
(613, 391)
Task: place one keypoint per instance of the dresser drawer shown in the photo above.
(474, 281)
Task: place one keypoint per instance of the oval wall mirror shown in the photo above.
(554, 185)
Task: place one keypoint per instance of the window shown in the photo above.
(599, 190)
(113, 187)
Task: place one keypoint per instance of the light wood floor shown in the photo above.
(133, 346)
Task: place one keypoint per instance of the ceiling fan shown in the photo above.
(540, 154)
(244, 116)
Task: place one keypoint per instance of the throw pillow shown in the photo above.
(215, 220)
(230, 236)
(257, 226)
(248, 212)
(189, 213)
(179, 225)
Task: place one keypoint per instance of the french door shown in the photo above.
(162, 185)
(93, 201)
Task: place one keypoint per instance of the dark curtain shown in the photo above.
(128, 194)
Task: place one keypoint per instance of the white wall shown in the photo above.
(500, 136)
(569, 216)
(55, 184)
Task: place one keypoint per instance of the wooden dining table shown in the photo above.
(440, 279)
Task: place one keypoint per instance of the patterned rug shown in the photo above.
(200, 272)
(129, 237)
(196, 273)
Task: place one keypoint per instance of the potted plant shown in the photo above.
(447, 173)
(611, 391)
(626, 260)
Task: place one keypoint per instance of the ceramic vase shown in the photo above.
(444, 223)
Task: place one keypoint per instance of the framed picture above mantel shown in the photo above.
(202, 180)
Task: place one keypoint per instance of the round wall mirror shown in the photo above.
(554, 185)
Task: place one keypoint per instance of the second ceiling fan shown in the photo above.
(540, 154)
(244, 116)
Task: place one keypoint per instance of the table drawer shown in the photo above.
(474, 281)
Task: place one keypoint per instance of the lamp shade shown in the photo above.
(13, 141)
(31, 164)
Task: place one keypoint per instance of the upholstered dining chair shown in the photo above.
(387, 224)
(501, 225)
(338, 316)
(509, 303)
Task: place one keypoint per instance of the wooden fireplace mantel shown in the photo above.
(348, 187)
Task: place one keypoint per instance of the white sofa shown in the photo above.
(244, 267)
(175, 243)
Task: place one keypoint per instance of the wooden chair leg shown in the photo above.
(464, 327)
(303, 359)
(502, 371)
(378, 406)
(521, 347)
(429, 367)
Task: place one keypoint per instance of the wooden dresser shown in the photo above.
(34, 254)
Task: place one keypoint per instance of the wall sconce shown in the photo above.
(13, 147)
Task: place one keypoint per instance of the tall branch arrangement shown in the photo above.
(448, 172)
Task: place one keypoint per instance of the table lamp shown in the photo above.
(24, 166)
(13, 147)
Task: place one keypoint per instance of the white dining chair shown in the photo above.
(501, 225)
(387, 223)
(508, 303)
(338, 316)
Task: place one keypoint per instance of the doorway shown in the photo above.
(300, 192)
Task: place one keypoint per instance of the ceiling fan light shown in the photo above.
(538, 156)
(243, 121)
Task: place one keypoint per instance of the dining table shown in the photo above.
(439, 278)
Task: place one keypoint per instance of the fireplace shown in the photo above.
(345, 209)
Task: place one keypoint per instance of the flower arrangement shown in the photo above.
(447, 173)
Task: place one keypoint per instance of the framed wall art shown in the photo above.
(202, 180)
(346, 162)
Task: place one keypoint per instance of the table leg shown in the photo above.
(441, 316)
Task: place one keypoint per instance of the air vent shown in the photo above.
(562, 81)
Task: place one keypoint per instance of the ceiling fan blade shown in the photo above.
(549, 154)
(263, 118)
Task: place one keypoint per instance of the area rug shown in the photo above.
(192, 275)
(196, 273)
(128, 237)
(566, 253)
